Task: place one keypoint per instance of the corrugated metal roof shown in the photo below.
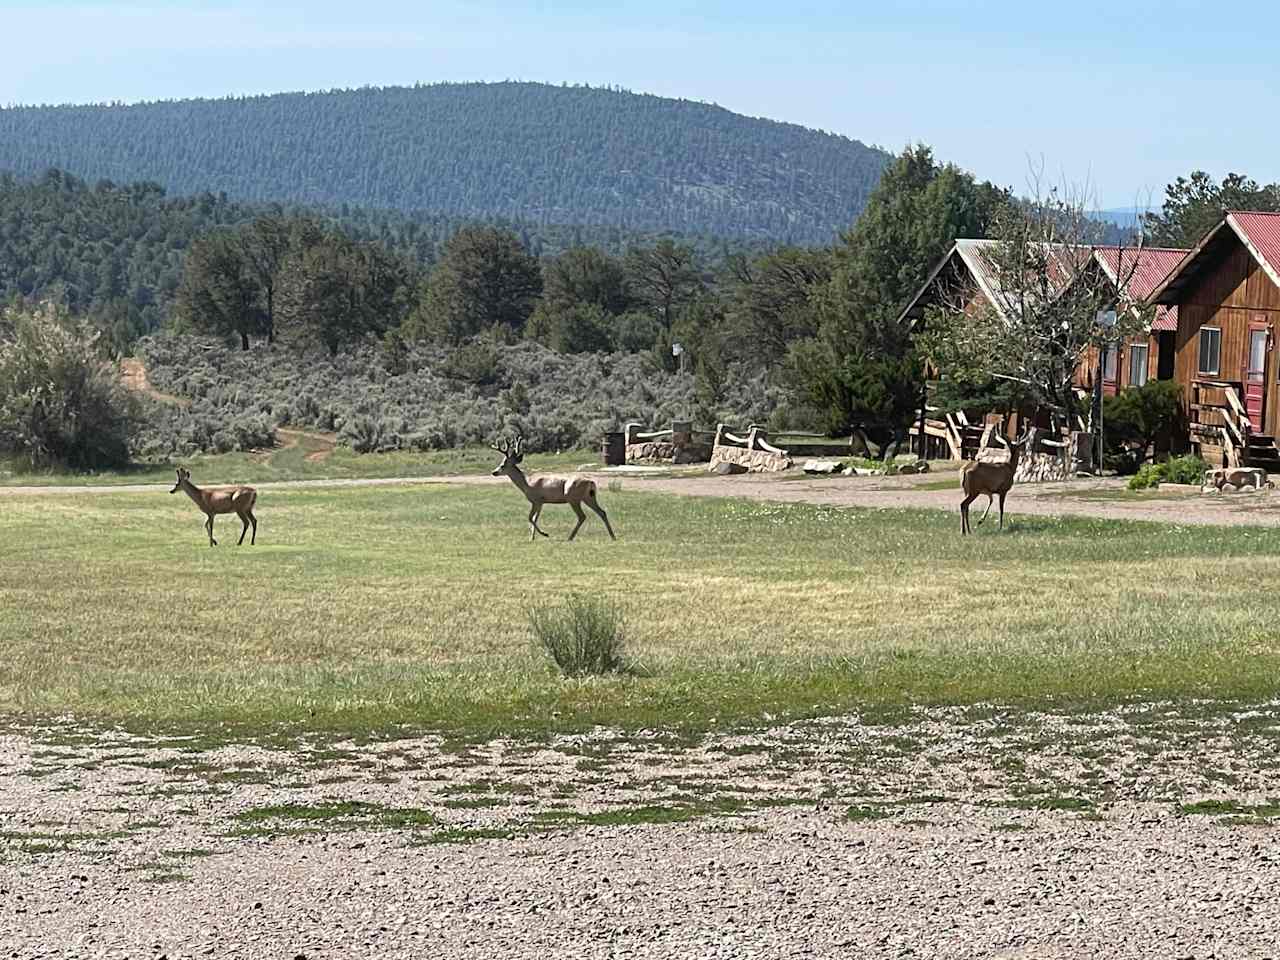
(1152, 265)
(986, 272)
(1166, 319)
(1258, 231)
(1261, 234)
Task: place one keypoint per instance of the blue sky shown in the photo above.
(1123, 95)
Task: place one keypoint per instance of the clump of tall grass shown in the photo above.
(583, 635)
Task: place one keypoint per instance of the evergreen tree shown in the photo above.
(860, 370)
(1194, 204)
(485, 279)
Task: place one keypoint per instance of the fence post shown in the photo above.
(681, 433)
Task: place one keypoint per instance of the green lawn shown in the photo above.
(363, 609)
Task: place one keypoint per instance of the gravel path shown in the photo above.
(946, 834)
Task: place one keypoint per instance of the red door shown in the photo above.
(1255, 375)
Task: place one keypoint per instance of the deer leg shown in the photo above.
(1003, 493)
(591, 502)
(964, 513)
(244, 528)
(253, 538)
(985, 512)
(209, 526)
(582, 518)
(534, 530)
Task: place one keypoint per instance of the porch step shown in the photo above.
(1271, 464)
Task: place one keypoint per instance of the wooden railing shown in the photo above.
(1216, 415)
(755, 438)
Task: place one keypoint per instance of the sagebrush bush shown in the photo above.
(61, 401)
(429, 398)
(584, 635)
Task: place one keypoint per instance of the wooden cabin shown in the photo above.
(1227, 295)
(965, 276)
(1141, 357)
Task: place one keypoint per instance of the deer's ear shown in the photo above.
(518, 457)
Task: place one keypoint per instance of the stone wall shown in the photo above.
(756, 461)
(657, 451)
(664, 452)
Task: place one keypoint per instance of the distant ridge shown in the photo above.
(523, 151)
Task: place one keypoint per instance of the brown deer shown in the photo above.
(994, 479)
(215, 500)
(539, 491)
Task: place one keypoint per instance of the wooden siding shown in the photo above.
(1232, 293)
(1088, 368)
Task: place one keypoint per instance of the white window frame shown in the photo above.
(1200, 341)
(1137, 369)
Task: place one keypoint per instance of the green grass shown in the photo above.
(347, 814)
(1262, 811)
(368, 611)
(291, 463)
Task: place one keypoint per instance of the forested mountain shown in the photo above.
(115, 252)
(521, 151)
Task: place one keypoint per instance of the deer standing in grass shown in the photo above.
(215, 500)
(539, 491)
(994, 479)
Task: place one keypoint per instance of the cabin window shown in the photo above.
(1210, 348)
(1110, 358)
(1137, 364)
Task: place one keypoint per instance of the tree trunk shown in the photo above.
(244, 341)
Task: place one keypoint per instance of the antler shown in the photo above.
(505, 449)
(519, 444)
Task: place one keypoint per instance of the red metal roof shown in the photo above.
(1166, 318)
(1258, 231)
(1152, 266)
(1261, 234)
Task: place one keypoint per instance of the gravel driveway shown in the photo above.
(1143, 833)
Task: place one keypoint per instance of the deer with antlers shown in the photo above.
(539, 491)
(992, 478)
(215, 500)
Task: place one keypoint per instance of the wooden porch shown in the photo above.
(1221, 431)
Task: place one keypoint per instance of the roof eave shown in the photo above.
(1158, 295)
(1265, 264)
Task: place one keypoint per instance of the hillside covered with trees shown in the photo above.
(115, 252)
(525, 152)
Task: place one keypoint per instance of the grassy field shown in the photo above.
(364, 609)
(291, 462)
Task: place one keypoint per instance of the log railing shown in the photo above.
(1217, 416)
(755, 438)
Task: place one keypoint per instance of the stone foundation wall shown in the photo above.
(658, 451)
(756, 461)
(664, 451)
